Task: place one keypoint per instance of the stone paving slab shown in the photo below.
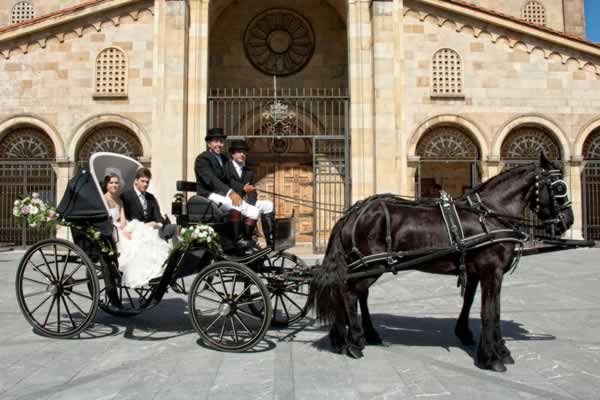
(550, 320)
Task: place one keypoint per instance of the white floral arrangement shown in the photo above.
(34, 212)
(31, 210)
(198, 234)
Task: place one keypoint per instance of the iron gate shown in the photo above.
(17, 178)
(320, 116)
(590, 182)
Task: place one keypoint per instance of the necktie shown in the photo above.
(219, 159)
(144, 203)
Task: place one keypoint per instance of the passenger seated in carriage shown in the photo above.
(241, 180)
(214, 185)
(142, 248)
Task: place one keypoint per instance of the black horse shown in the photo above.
(498, 204)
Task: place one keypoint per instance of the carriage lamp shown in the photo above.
(177, 204)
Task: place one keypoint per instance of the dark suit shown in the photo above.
(133, 209)
(210, 175)
(237, 182)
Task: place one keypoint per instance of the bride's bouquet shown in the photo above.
(34, 212)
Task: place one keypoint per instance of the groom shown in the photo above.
(143, 206)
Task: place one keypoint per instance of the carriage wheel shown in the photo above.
(288, 290)
(129, 301)
(51, 288)
(220, 300)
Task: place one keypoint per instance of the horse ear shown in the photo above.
(544, 162)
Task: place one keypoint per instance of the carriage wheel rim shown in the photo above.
(230, 325)
(50, 293)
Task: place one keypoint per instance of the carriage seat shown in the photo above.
(199, 209)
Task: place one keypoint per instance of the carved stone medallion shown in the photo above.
(279, 42)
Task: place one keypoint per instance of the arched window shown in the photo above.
(526, 144)
(114, 139)
(591, 146)
(22, 11)
(447, 73)
(111, 73)
(27, 143)
(447, 143)
(534, 12)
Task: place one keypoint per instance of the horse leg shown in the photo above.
(337, 335)
(500, 345)
(356, 337)
(487, 358)
(462, 330)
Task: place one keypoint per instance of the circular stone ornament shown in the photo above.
(279, 42)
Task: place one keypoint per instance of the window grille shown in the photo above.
(22, 11)
(535, 13)
(447, 73)
(111, 73)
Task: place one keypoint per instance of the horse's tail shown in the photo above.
(327, 293)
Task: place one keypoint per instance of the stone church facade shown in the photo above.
(403, 96)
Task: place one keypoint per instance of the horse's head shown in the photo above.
(550, 200)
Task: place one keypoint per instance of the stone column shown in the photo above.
(360, 48)
(388, 81)
(169, 119)
(197, 82)
(62, 169)
(573, 171)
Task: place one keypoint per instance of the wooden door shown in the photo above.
(295, 180)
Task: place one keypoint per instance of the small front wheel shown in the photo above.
(57, 288)
(220, 302)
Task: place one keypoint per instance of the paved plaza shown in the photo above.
(550, 320)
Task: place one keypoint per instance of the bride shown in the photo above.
(141, 251)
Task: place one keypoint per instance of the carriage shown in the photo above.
(233, 299)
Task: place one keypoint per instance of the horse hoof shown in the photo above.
(496, 366)
(354, 352)
(508, 359)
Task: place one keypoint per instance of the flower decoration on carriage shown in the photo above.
(200, 234)
(34, 212)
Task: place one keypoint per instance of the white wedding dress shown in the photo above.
(140, 258)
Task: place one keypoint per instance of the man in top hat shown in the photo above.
(213, 184)
(241, 179)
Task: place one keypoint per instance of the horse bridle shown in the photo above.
(558, 193)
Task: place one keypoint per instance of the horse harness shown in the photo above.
(457, 242)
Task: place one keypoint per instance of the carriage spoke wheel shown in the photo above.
(57, 288)
(220, 299)
(282, 274)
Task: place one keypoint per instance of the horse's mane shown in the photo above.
(390, 198)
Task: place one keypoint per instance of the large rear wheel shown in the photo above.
(51, 283)
(220, 299)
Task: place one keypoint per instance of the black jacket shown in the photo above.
(237, 183)
(210, 175)
(134, 210)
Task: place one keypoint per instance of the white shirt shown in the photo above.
(238, 168)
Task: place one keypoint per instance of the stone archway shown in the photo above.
(448, 161)
(526, 143)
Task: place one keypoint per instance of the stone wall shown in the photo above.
(56, 83)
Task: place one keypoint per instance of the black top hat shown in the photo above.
(215, 133)
(238, 144)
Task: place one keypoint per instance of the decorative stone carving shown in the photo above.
(113, 139)
(27, 143)
(527, 143)
(447, 143)
(279, 42)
